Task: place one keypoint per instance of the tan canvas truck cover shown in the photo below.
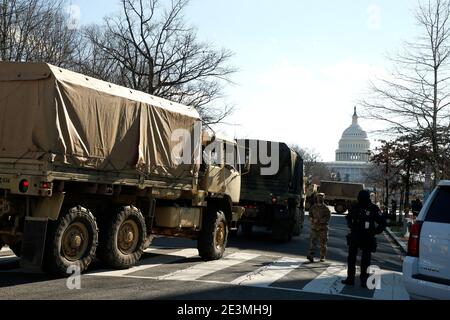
(88, 123)
(340, 190)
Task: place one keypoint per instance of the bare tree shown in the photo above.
(36, 30)
(416, 98)
(149, 47)
(314, 168)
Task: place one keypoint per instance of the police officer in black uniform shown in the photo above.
(365, 221)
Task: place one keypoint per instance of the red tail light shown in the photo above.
(44, 185)
(23, 186)
(274, 200)
(414, 239)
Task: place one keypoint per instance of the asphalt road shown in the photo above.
(253, 268)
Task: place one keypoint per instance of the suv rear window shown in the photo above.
(440, 209)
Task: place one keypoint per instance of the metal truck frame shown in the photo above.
(274, 201)
(340, 195)
(55, 215)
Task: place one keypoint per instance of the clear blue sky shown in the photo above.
(302, 64)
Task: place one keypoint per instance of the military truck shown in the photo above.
(91, 169)
(273, 201)
(340, 195)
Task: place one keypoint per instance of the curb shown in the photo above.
(402, 244)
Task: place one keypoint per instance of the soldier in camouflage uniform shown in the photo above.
(319, 216)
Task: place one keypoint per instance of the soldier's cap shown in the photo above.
(321, 195)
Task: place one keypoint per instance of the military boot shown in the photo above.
(348, 282)
(322, 259)
(310, 258)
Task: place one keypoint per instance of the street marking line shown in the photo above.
(329, 281)
(265, 276)
(5, 258)
(392, 287)
(7, 254)
(149, 263)
(203, 269)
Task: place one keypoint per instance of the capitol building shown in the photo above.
(352, 155)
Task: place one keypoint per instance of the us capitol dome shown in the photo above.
(352, 155)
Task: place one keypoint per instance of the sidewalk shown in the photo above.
(400, 235)
(402, 242)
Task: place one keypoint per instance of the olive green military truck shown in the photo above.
(91, 169)
(340, 195)
(275, 201)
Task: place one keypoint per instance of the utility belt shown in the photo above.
(362, 242)
(320, 227)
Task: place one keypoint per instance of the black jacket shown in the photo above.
(365, 222)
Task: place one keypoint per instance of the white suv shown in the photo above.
(426, 269)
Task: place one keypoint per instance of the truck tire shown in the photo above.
(283, 227)
(340, 208)
(123, 238)
(72, 240)
(213, 236)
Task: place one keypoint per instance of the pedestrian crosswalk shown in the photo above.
(251, 269)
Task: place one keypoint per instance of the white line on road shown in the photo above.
(265, 276)
(149, 263)
(391, 287)
(7, 258)
(329, 281)
(203, 269)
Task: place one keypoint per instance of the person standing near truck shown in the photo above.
(416, 206)
(319, 216)
(365, 221)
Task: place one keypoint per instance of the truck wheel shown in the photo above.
(123, 238)
(283, 224)
(213, 237)
(340, 208)
(298, 226)
(72, 240)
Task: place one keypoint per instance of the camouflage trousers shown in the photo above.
(318, 235)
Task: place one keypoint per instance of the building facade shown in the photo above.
(352, 155)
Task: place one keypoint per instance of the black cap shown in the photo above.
(364, 198)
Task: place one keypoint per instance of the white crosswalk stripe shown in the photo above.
(151, 263)
(270, 272)
(328, 282)
(391, 287)
(265, 276)
(203, 269)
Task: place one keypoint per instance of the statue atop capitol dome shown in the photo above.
(352, 155)
(354, 145)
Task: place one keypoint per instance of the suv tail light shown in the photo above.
(414, 239)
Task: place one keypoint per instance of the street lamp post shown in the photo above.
(386, 200)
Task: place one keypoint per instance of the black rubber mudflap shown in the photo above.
(33, 242)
